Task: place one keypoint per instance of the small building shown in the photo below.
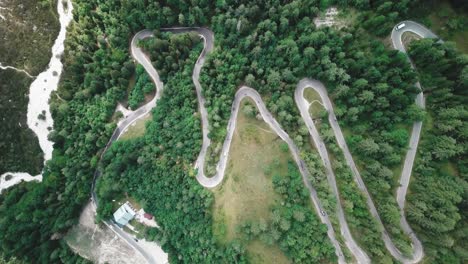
(124, 214)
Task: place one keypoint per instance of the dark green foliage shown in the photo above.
(165, 184)
(302, 236)
(437, 204)
(144, 85)
(268, 44)
(364, 227)
(294, 227)
(168, 51)
(28, 32)
(19, 148)
(381, 15)
(21, 213)
(23, 24)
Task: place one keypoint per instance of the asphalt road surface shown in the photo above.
(243, 92)
(408, 163)
(303, 106)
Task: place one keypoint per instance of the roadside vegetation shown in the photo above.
(252, 208)
(144, 87)
(437, 205)
(316, 109)
(448, 19)
(269, 45)
(137, 129)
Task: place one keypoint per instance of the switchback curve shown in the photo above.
(133, 116)
(245, 91)
(418, 252)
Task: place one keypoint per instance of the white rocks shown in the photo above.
(329, 18)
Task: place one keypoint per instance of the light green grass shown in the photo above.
(137, 129)
(316, 109)
(247, 192)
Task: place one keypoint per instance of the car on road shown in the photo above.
(400, 26)
(322, 212)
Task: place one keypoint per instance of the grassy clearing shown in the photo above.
(137, 129)
(316, 108)
(247, 192)
(261, 253)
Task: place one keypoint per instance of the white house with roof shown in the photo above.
(124, 214)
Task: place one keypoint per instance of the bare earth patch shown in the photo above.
(99, 244)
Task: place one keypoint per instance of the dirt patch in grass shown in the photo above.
(247, 192)
(137, 129)
(332, 17)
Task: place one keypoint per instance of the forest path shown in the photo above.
(16, 69)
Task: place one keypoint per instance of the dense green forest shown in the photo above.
(268, 45)
(32, 22)
(142, 87)
(437, 201)
(174, 137)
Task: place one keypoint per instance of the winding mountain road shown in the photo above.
(208, 182)
(303, 106)
(396, 36)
